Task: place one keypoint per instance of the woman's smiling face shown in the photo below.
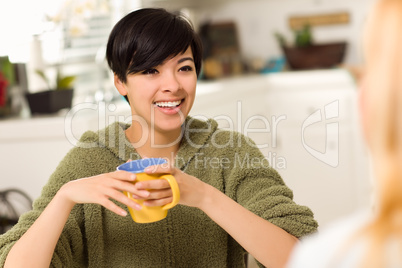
(162, 95)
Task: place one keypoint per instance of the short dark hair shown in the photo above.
(145, 38)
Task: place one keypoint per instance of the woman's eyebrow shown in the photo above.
(184, 59)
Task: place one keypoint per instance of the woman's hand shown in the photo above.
(101, 188)
(160, 193)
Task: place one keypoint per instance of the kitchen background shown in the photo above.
(305, 120)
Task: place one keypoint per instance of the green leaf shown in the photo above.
(65, 82)
(43, 76)
(6, 67)
(280, 38)
(304, 36)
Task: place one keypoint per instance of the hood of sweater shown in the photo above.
(195, 134)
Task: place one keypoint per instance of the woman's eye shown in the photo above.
(186, 69)
(150, 71)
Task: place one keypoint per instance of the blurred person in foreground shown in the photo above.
(367, 239)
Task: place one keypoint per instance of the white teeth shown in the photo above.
(168, 103)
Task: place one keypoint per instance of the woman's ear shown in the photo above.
(121, 87)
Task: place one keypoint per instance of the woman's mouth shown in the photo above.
(169, 107)
(168, 104)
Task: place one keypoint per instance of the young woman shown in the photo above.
(226, 209)
(369, 240)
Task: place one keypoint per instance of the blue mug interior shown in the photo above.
(138, 166)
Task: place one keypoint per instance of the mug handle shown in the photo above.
(175, 189)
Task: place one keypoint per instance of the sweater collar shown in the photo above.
(195, 135)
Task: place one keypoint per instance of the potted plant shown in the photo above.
(306, 54)
(55, 98)
(6, 81)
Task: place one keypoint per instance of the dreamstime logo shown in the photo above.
(331, 154)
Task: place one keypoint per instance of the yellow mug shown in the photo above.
(155, 213)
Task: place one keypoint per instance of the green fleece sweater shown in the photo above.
(95, 237)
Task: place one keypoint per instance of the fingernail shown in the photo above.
(138, 207)
(132, 176)
(123, 213)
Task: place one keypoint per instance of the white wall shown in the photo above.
(258, 19)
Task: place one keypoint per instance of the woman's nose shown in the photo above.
(170, 83)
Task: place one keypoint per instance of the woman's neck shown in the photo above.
(151, 143)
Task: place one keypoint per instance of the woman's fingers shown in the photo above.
(122, 198)
(158, 202)
(104, 188)
(157, 184)
(160, 169)
(101, 189)
(122, 175)
(127, 187)
(160, 194)
(108, 204)
(154, 192)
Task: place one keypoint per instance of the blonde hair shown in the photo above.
(382, 118)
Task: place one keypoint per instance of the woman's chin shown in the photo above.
(169, 126)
